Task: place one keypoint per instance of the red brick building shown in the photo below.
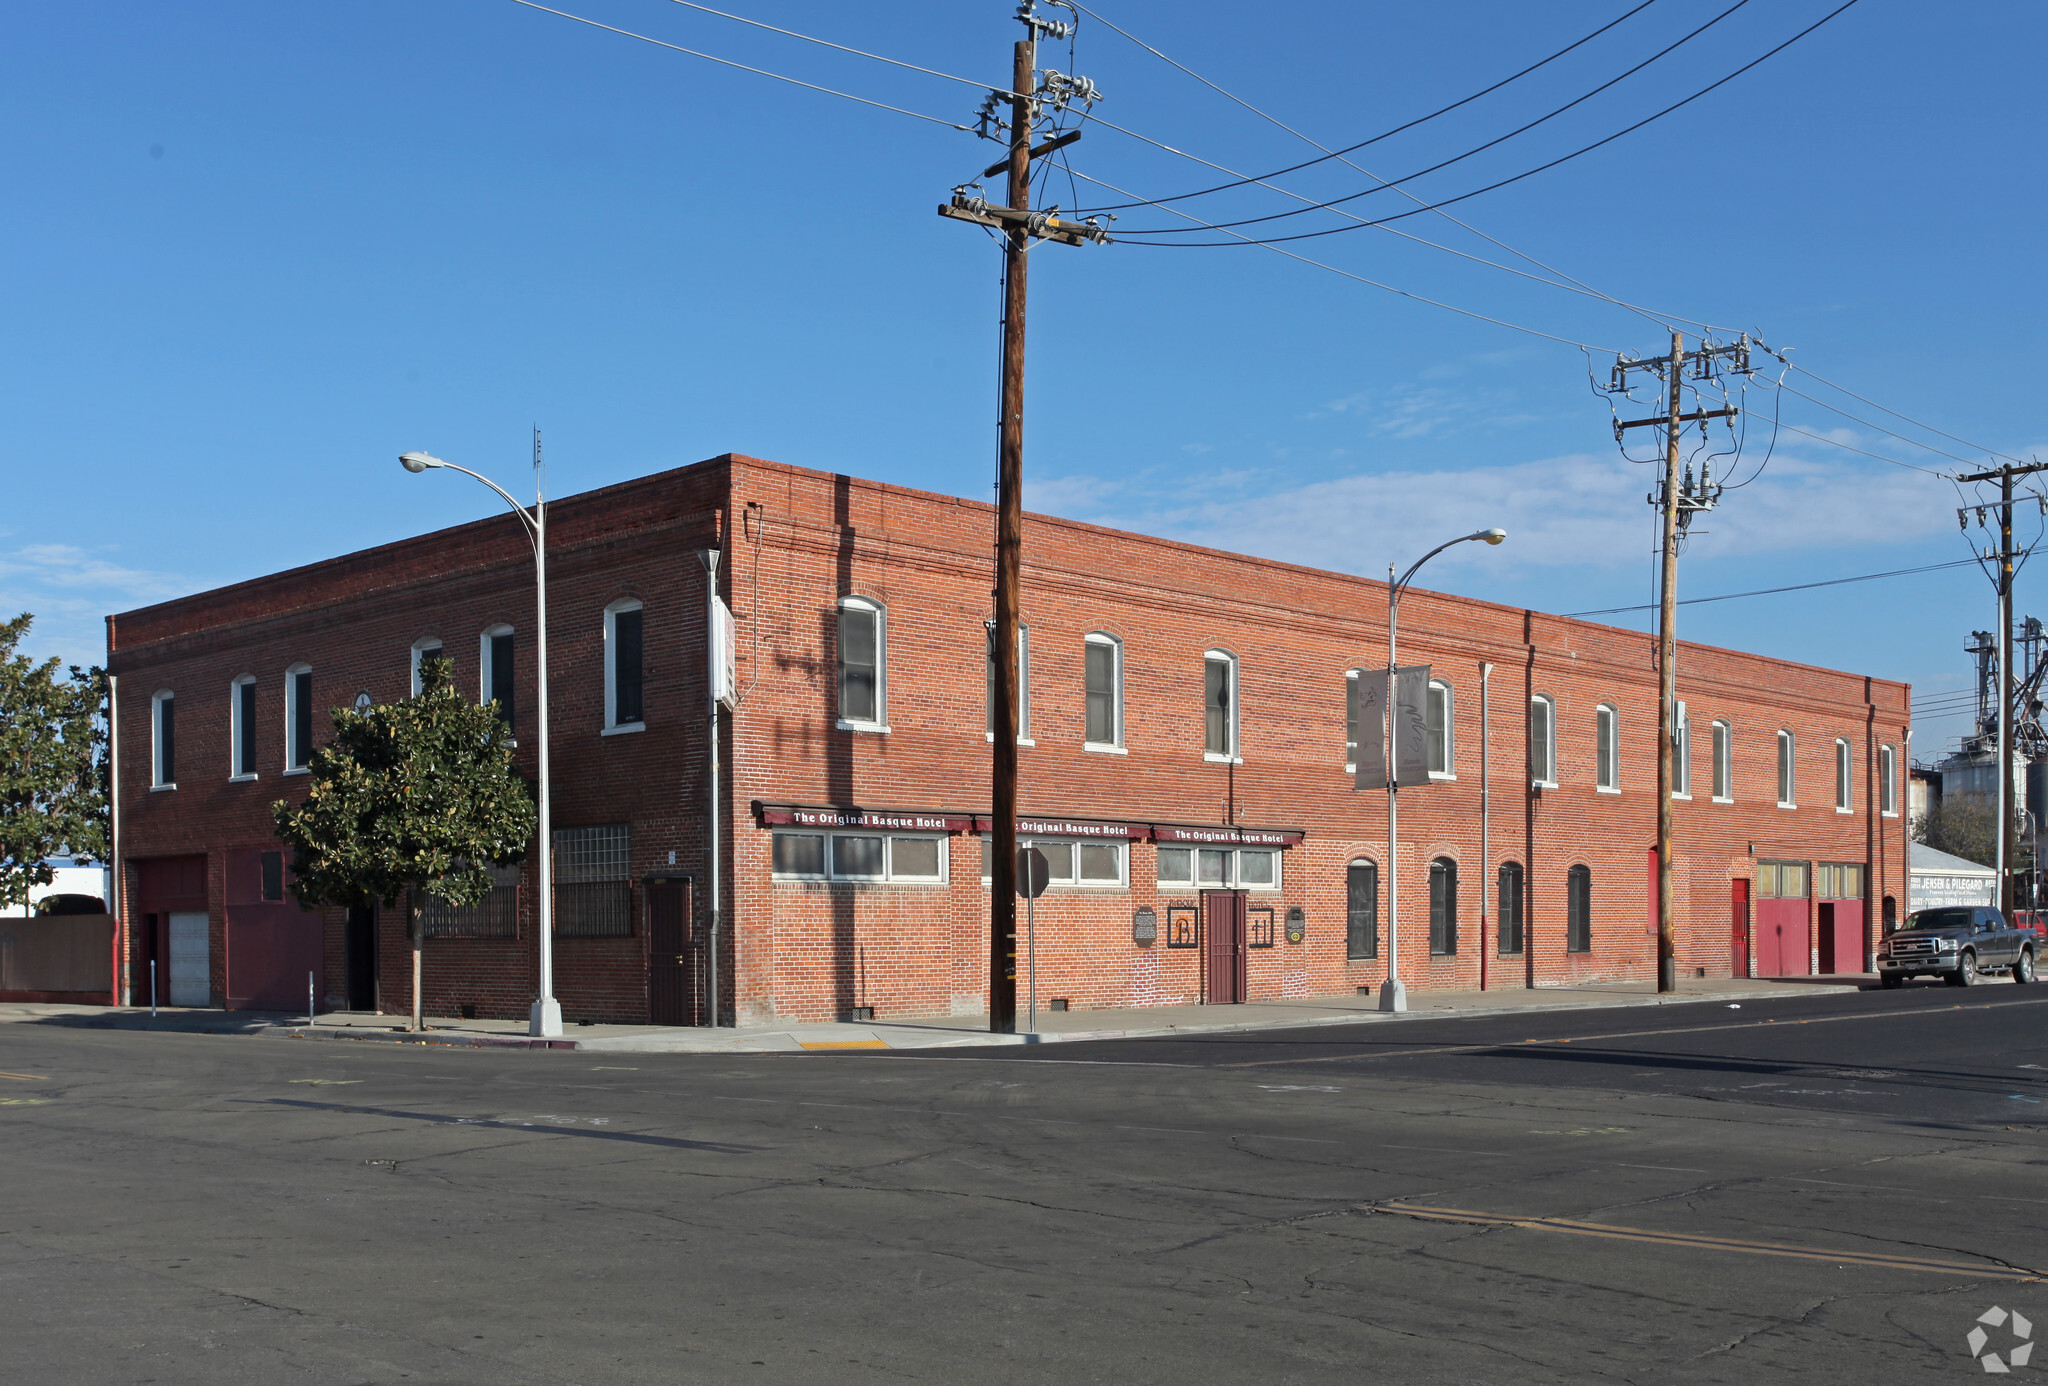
(1184, 769)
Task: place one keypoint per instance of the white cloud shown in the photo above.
(70, 590)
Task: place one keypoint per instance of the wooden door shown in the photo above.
(671, 960)
(1223, 947)
(1738, 931)
(191, 982)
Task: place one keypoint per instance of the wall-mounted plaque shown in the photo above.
(1258, 927)
(1183, 926)
(1144, 927)
(1297, 924)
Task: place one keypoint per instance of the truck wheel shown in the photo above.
(2023, 970)
(1891, 980)
(1965, 974)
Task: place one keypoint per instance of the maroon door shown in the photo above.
(671, 970)
(1847, 954)
(1738, 931)
(1223, 920)
(1826, 929)
(1781, 947)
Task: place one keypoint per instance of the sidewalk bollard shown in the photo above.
(152, 988)
(309, 1000)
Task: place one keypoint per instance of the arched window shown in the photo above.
(1724, 763)
(163, 719)
(1607, 749)
(298, 717)
(242, 729)
(625, 702)
(1440, 731)
(1510, 917)
(495, 649)
(1890, 914)
(1362, 909)
(1681, 752)
(1578, 910)
(1443, 907)
(1844, 778)
(1785, 785)
(426, 647)
(1543, 741)
(1219, 705)
(1350, 721)
(863, 665)
(1888, 782)
(1102, 657)
(988, 702)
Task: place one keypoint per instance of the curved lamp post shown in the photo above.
(1393, 995)
(545, 1018)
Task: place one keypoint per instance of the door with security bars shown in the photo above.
(671, 953)
(1223, 947)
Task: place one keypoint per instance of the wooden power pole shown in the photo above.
(1677, 502)
(1020, 226)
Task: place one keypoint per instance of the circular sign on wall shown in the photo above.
(1297, 924)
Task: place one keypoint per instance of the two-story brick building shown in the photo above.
(1185, 758)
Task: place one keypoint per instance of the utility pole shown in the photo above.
(1020, 226)
(2008, 826)
(1678, 504)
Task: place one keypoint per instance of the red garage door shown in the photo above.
(1781, 932)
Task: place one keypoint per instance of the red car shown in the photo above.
(2034, 920)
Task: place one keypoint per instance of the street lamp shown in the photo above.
(545, 1018)
(1393, 995)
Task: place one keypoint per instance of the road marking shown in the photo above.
(1694, 1241)
(24, 1101)
(1672, 1169)
(328, 1082)
(842, 1044)
(613, 1068)
(26, 1077)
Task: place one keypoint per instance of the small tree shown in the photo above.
(53, 760)
(1966, 826)
(409, 796)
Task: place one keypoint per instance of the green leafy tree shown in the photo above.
(53, 764)
(1966, 826)
(409, 797)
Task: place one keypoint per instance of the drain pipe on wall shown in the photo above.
(712, 656)
(1485, 809)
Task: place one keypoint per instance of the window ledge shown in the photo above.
(1889, 813)
(299, 770)
(989, 737)
(1543, 784)
(156, 787)
(242, 779)
(1606, 789)
(1103, 748)
(624, 728)
(876, 727)
(1845, 811)
(1445, 775)
(1215, 759)
(1723, 799)
(1783, 804)
(1686, 797)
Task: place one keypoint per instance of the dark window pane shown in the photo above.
(1101, 673)
(1216, 707)
(626, 703)
(914, 857)
(419, 662)
(1175, 865)
(799, 854)
(1579, 910)
(857, 856)
(857, 681)
(302, 719)
(273, 875)
(1443, 906)
(1059, 859)
(1350, 721)
(245, 732)
(1362, 910)
(1510, 907)
(167, 741)
(1101, 864)
(501, 678)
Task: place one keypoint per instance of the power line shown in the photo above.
(857, 52)
(1476, 192)
(1836, 408)
(1773, 591)
(1875, 405)
(1833, 443)
(757, 71)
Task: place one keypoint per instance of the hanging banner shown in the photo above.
(1369, 717)
(1411, 724)
(724, 677)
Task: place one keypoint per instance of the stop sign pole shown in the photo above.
(1034, 872)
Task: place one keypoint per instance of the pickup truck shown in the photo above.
(1958, 943)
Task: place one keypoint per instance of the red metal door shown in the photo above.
(1738, 935)
(671, 970)
(1848, 953)
(1781, 946)
(1223, 956)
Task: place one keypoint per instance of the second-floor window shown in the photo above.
(163, 716)
(624, 671)
(1844, 779)
(1219, 705)
(1724, 763)
(1681, 752)
(1543, 741)
(1785, 785)
(1023, 685)
(242, 728)
(1102, 657)
(1888, 782)
(495, 680)
(298, 717)
(863, 664)
(423, 650)
(1439, 731)
(1606, 753)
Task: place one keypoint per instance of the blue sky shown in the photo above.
(255, 250)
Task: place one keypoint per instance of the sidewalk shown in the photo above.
(933, 1032)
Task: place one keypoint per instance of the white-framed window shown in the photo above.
(1543, 741)
(1220, 868)
(242, 728)
(625, 689)
(1219, 706)
(988, 700)
(1440, 730)
(1351, 721)
(1681, 751)
(1102, 678)
(1786, 749)
(859, 855)
(1080, 863)
(298, 718)
(1606, 749)
(163, 736)
(495, 650)
(1887, 782)
(863, 665)
(1724, 762)
(1844, 778)
(426, 647)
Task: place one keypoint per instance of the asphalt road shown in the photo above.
(1821, 1189)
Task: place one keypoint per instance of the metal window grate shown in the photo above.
(593, 889)
(495, 916)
